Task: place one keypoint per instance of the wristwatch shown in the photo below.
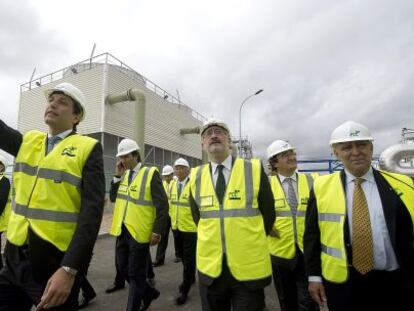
(70, 270)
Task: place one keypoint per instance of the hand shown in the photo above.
(119, 168)
(317, 292)
(274, 233)
(155, 239)
(57, 290)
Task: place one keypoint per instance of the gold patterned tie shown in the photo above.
(362, 246)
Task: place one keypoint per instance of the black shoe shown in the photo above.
(177, 259)
(157, 263)
(84, 302)
(180, 300)
(113, 288)
(152, 295)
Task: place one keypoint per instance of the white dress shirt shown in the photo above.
(226, 170)
(384, 255)
(286, 186)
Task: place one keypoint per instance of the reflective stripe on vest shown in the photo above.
(134, 207)
(55, 175)
(180, 209)
(234, 228)
(286, 224)
(48, 188)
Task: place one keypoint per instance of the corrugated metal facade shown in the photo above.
(163, 119)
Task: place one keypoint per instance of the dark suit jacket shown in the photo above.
(397, 217)
(4, 193)
(45, 257)
(159, 199)
(266, 207)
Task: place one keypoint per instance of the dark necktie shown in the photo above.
(130, 176)
(220, 183)
(52, 142)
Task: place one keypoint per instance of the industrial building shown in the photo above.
(104, 77)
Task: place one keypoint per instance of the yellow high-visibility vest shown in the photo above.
(234, 228)
(167, 187)
(331, 204)
(284, 245)
(134, 207)
(4, 217)
(48, 188)
(180, 209)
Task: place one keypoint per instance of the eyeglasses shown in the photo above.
(214, 130)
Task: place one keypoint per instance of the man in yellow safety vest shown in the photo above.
(57, 207)
(359, 237)
(232, 204)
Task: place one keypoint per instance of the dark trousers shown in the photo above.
(189, 246)
(162, 246)
(19, 290)
(377, 290)
(226, 293)
(133, 260)
(1, 257)
(292, 285)
(119, 277)
(178, 244)
(87, 290)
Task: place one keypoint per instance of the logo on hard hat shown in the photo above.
(354, 133)
(69, 151)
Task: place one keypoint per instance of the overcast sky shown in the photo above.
(320, 63)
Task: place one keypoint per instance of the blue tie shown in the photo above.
(180, 188)
(52, 142)
(130, 177)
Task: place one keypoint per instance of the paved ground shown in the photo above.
(102, 272)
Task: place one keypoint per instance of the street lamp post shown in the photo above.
(241, 106)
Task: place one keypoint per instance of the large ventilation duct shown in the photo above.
(195, 130)
(139, 113)
(192, 130)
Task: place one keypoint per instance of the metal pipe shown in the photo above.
(139, 113)
(392, 159)
(192, 130)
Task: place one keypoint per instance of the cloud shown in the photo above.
(320, 63)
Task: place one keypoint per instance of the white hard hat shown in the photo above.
(182, 162)
(167, 170)
(127, 146)
(350, 131)
(71, 91)
(214, 122)
(278, 146)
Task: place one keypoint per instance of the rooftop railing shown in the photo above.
(107, 58)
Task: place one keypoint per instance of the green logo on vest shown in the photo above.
(69, 151)
(354, 133)
(133, 188)
(235, 195)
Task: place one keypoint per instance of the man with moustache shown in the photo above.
(358, 241)
(232, 204)
(57, 207)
